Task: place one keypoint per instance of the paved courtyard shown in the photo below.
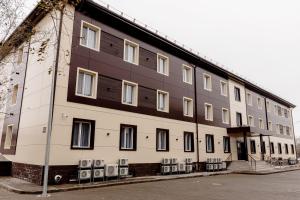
(281, 186)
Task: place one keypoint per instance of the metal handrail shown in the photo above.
(229, 158)
(252, 161)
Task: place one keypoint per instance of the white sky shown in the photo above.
(259, 39)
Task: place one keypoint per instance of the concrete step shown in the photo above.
(240, 165)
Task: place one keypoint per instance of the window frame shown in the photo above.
(205, 75)
(167, 140)
(185, 142)
(137, 51)
(228, 116)
(279, 146)
(272, 148)
(253, 124)
(261, 123)
(191, 109)
(235, 95)
(206, 112)
(20, 55)
(184, 66)
(249, 103)
(226, 86)
(268, 106)
(292, 149)
(94, 85)
(286, 149)
(259, 105)
(159, 55)
(213, 143)
(270, 124)
(241, 121)
(16, 95)
(229, 146)
(97, 29)
(166, 110)
(136, 93)
(5, 146)
(91, 136)
(134, 137)
(252, 146)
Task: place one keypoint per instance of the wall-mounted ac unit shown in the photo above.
(210, 167)
(188, 160)
(174, 168)
(98, 163)
(165, 161)
(123, 162)
(165, 169)
(111, 170)
(189, 168)
(173, 161)
(98, 173)
(181, 167)
(86, 163)
(216, 166)
(123, 171)
(224, 165)
(84, 174)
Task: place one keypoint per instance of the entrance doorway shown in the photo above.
(241, 150)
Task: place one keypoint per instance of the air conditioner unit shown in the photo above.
(174, 168)
(188, 160)
(181, 167)
(123, 162)
(220, 167)
(98, 163)
(210, 167)
(111, 170)
(189, 168)
(98, 173)
(173, 161)
(165, 161)
(216, 166)
(165, 169)
(86, 163)
(224, 165)
(84, 174)
(123, 171)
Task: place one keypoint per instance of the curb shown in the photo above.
(265, 172)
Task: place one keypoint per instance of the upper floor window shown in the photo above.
(237, 94)
(268, 106)
(249, 99)
(162, 101)
(224, 90)
(226, 144)
(20, 55)
(279, 111)
(225, 116)
(162, 64)
(129, 93)
(260, 123)
(187, 74)
(281, 131)
(162, 140)
(250, 121)
(131, 52)
(239, 121)
(128, 135)
(14, 95)
(188, 142)
(259, 103)
(270, 126)
(86, 83)
(285, 113)
(83, 134)
(208, 112)
(90, 36)
(187, 107)
(209, 143)
(207, 82)
(8, 137)
(288, 130)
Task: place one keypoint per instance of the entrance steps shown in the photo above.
(245, 166)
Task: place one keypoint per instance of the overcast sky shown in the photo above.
(259, 39)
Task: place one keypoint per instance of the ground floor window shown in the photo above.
(83, 134)
(128, 137)
(292, 148)
(162, 140)
(252, 147)
(263, 147)
(286, 147)
(279, 148)
(188, 142)
(272, 148)
(209, 143)
(226, 143)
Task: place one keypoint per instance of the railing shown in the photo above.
(229, 158)
(252, 161)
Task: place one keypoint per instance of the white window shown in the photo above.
(250, 121)
(259, 103)
(162, 101)
(14, 94)
(8, 137)
(86, 84)
(131, 52)
(209, 143)
(129, 93)
(224, 90)
(208, 112)
(275, 110)
(288, 130)
(260, 123)
(162, 137)
(20, 55)
(280, 129)
(249, 99)
(162, 64)
(187, 74)
(188, 107)
(90, 36)
(225, 116)
(268, 106)
(188, 141)
(207, 82)
(270, 125)
(81, 134)
(127, 136)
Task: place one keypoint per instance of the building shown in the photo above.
(122, 91)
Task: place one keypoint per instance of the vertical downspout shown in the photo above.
(51, 109)
(267, 122)
(196, 118)
(295, 147)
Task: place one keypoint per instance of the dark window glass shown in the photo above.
(209, 139)
(226, 143)
(272, 148)
(252, 147)
(237, 94)
(239, 121)
(279, 148)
